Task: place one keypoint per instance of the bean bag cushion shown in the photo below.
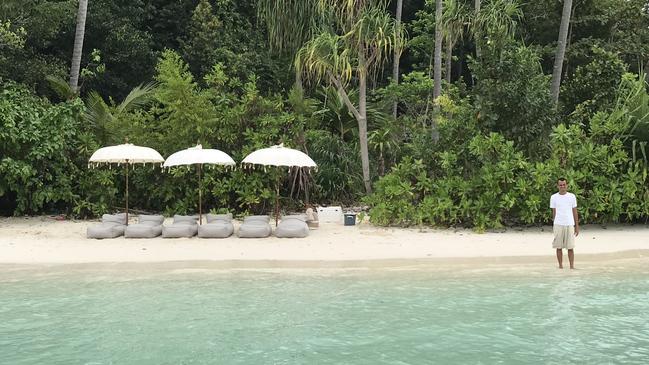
(257, 218)
(112, 225)
(217, 226)
(255, 226)
(148, 226)
(183, 226)
(292, 227)
(219, 217)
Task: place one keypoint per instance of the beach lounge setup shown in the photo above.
(217, 226)
(292, 226)
(279, 156)
(199, 156)
(148, 226)
(112, 225)
(182, 226)
(125, 154)
(255, 226)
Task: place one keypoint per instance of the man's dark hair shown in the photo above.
(562, 179)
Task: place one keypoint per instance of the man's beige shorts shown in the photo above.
(564, 237)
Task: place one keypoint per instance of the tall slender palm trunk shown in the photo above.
(449, 59)
(561, 51)
(437, 68)
(362, 124)
(78, 44)
(478, 51)
(437, 58)
(397, 54)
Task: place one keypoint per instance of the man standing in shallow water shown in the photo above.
(566, 222)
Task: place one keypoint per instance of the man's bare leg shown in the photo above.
(560, 257)
(571, 258)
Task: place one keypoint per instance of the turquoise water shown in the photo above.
(110, 316)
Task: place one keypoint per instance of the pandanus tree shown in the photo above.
(495, 23)
(455, 18)
(346, 54)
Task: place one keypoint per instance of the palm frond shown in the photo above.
(60, 87)
(98, 116)
(289, 23)
(139, 97)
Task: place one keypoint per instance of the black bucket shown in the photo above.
(350, 219)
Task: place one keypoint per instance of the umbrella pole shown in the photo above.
(200, 196)
(126, 167)
(276, 202)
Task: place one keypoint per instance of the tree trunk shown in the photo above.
(362, 124)
(566, 69)
(437, 68)
(449, 59)
(397, 54)
(561, 51)
(360, 114)
(78, 45)
(478, 52)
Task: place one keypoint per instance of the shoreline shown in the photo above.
(46, 241)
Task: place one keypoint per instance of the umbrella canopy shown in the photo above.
(126, 154)
(279, 156)
(199, 156)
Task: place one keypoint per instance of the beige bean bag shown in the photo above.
(183, 226)
(112, 225)
(217, 226)
(255, 226)
(292, 226)
(148, 226)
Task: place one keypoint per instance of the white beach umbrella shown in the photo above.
(279, 156)
(126, 154)
(199, 156)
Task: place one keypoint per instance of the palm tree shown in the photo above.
(102, 117)
(454, 18)
(289, 24)
(78, 44)
(437, 68)
(496, 22)
(352, 51)
(561, 51)
(397, 55)
(476, 6)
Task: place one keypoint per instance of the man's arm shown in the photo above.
(554, 214)
(575, 215)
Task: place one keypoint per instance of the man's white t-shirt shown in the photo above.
(563, 205)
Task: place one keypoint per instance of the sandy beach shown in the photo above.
(45, 240)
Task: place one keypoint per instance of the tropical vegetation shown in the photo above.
(426, 112)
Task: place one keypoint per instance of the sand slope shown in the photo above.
(44, 240)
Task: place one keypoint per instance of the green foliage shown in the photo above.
(338, 179)
(218, 83)
(512, 96)
(43, 148)
(507, 188)
(11, 38)
(593, 87)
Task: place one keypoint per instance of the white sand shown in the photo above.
(44, 240)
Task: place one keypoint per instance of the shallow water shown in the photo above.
(418, 316)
